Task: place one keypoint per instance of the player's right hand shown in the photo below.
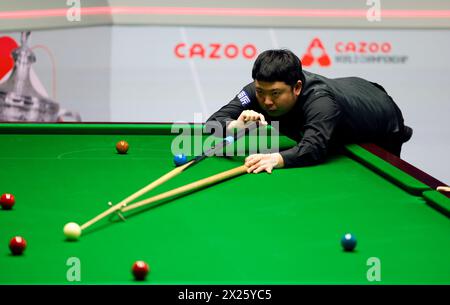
(251, 116)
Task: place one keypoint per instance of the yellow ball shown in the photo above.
(72, 231)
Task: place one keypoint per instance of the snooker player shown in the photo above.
(319, 113)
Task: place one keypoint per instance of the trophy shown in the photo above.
(20, 101)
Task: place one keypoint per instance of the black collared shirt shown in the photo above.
(328, 112)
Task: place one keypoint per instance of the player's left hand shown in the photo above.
(259, 162)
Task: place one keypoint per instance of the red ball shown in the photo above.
(122, 147)
(17, 245)
(140, 270)
(7, 201)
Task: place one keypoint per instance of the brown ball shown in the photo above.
(122, 147)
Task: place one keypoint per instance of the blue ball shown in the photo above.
(348, 242)
(179, 159)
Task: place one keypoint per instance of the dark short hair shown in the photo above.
(278, 65)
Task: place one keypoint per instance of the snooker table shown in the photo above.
(279, 228)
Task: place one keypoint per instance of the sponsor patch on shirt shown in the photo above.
(243, 97)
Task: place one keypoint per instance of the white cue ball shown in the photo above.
(72, 231)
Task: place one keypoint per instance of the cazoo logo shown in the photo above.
(351, 52)
(215, 51)
(363, 47)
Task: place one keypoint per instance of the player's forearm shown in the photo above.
(279, 159)
(298, 156)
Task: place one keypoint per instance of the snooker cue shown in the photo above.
(226, 141)
(189, 187)
(168, 176)
(140, 192)
(443, 189)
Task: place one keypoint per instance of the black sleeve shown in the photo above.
(231, 111)
(321, 118)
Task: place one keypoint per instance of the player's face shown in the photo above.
(277, 98)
